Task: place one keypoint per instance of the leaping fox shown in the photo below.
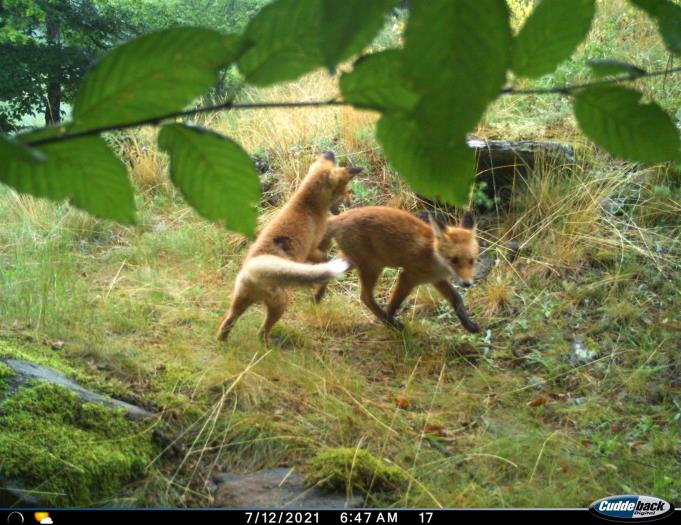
(277, 259)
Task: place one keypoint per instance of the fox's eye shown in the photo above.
(455, 260)
(472, 261)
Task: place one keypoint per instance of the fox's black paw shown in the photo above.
(394, 323)
(472, 327)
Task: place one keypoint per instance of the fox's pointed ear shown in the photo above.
(437, 230)
(328, 155)
(468, 221)
(353, 171)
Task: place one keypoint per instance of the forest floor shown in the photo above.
(505, 418)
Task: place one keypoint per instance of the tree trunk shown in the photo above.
(220, 88)
(53, 105)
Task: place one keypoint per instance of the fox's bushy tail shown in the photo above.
(283, 271)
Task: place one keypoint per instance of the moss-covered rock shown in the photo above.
(5, 373)
(67, 451)
(40, 355)
(338, 468)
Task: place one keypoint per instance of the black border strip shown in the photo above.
(308, 516)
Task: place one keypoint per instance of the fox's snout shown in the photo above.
(458, 247)
(464, 275)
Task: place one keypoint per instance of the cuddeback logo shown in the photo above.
(631, 508)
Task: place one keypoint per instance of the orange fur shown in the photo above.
(376, 237)
(280, 256)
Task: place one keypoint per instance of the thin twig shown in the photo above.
(567, 90)
(231, 105)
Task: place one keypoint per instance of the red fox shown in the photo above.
(277, 259)
(375, 237)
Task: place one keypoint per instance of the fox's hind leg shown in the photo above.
(368, 276)
(405, 285)
(239, 305)
(276, 306)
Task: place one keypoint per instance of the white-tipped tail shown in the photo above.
(338, 266)
(284, 272)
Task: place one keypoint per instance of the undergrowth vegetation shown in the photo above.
(506, 418)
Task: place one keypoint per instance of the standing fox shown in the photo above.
(277, 258)
(376, 237)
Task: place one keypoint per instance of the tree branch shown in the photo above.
(155, 121)
(567, 90)
(231, 105)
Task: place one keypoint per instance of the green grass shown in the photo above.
(498, 419)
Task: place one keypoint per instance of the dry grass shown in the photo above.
(289, 137)
(499, 419)
(146, 162)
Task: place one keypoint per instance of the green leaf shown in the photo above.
(613, 118)
(550, 35)
(293, 37)
(84, 171)
(442, 173)
(153, 75)
(354, 23)
(285, 37)
(668, 16)
(456, 54)
(376, 82)
(49, 132)
(10, 150)
(604, 68)
(214, 174)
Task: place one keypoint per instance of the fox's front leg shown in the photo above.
(368, 276)
(319, 293)
(453, 297)
(318, 256)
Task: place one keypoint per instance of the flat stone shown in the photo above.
(26, 371)
(514, 248)
(484, 266)
(280, 488)
(579, 353)
(12, 493)
(612, 205)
